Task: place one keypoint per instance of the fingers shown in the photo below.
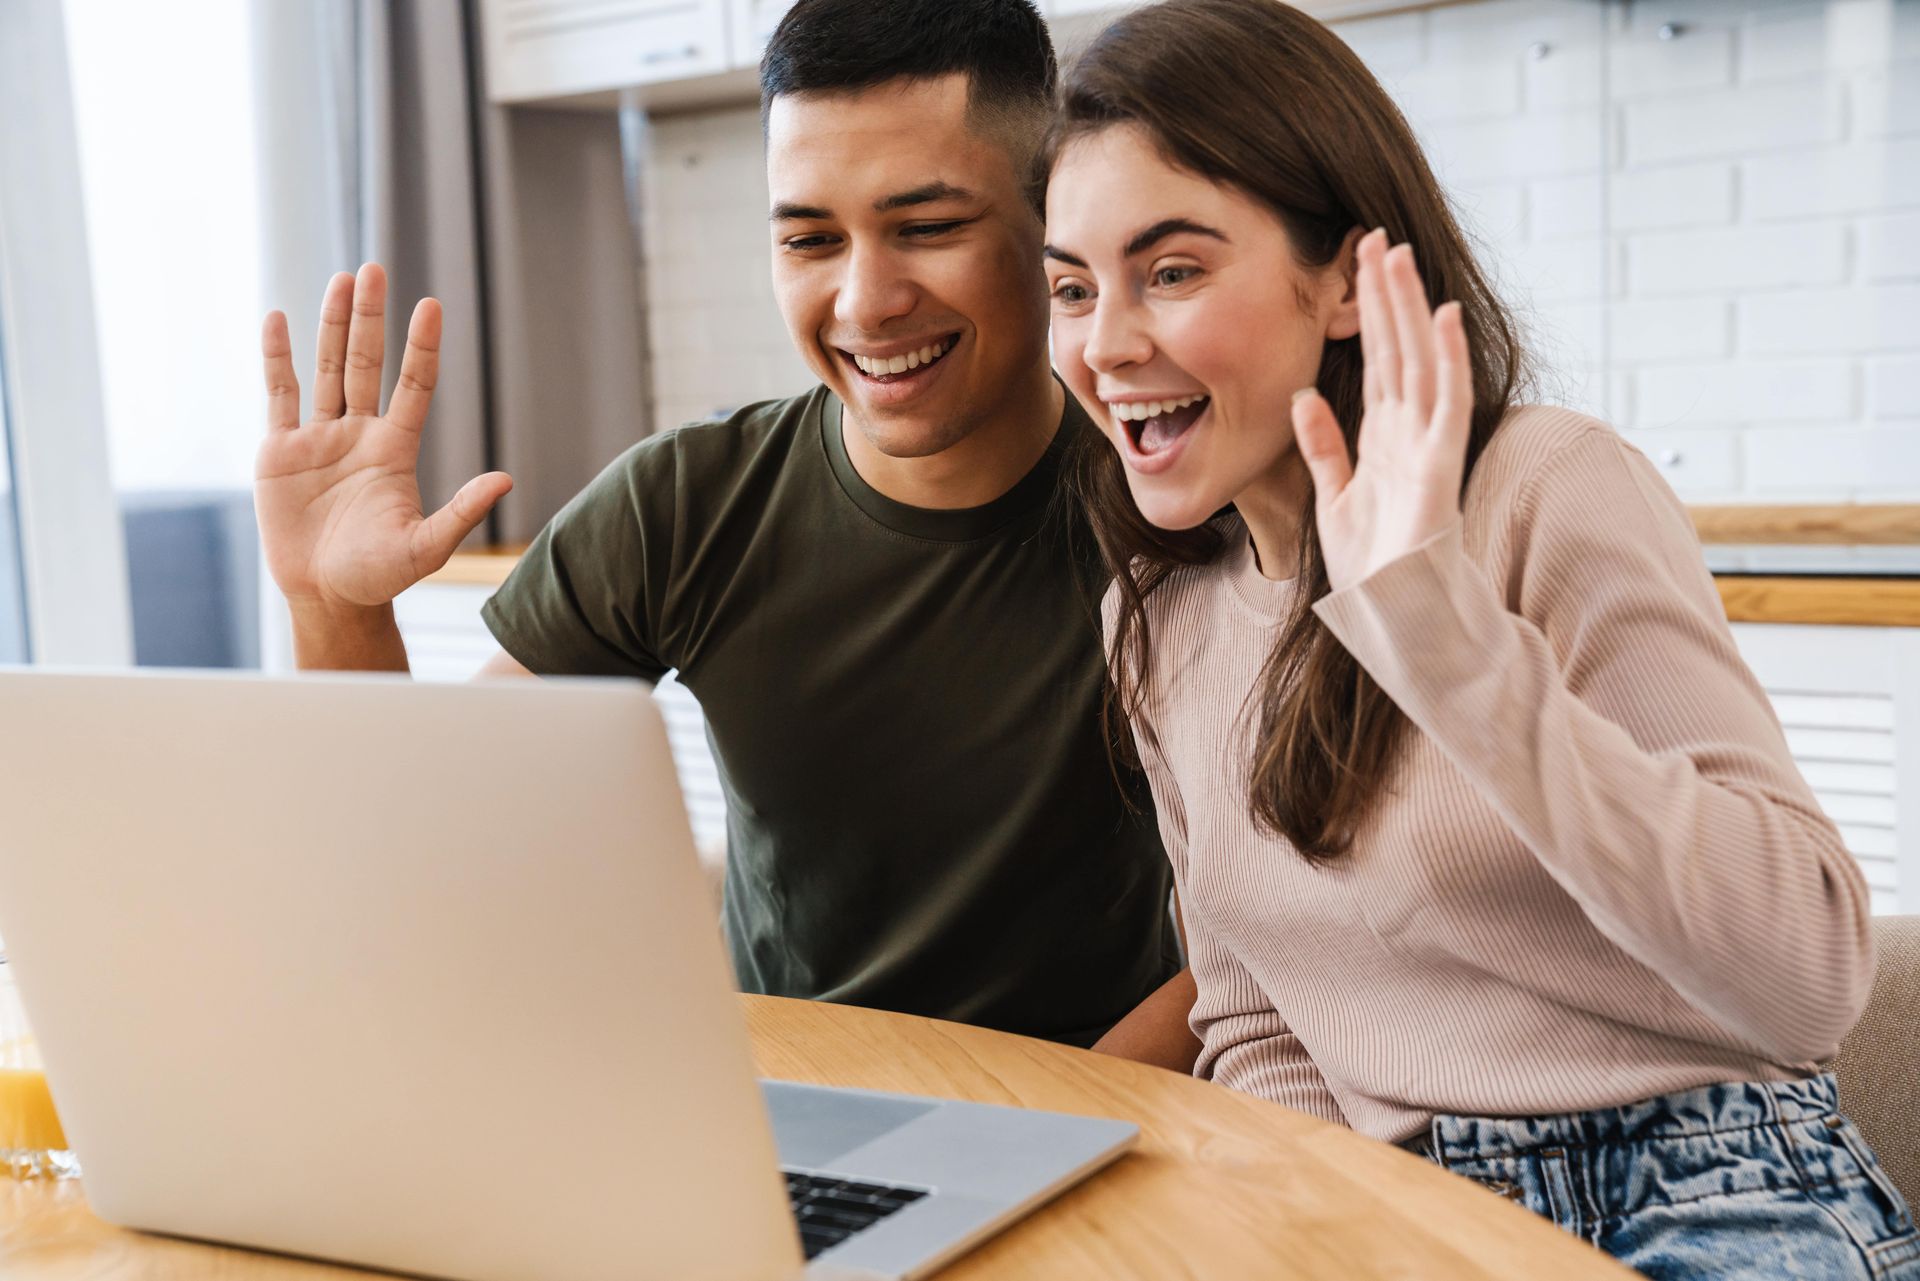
(367, 340)
(330, 357)
(283, 388)
(1453, 376)
(1413, 330)
(1379, 344)
(1317, 433)
(441, 533)
(419, 368)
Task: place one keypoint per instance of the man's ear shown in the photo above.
(1343, 274)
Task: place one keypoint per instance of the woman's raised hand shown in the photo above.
(1417, 409)
(338, 497)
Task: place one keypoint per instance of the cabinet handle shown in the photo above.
(659, 56)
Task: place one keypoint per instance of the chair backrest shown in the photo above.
(1878, 1066)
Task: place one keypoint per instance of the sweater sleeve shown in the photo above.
(1603, 710)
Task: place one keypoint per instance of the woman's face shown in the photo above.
(1183, 322)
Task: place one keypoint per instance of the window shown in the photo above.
(13, 611)
(164, 114)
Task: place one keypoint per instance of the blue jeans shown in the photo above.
(1729, 1181)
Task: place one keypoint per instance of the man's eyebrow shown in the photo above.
(786, 211)
(1061, 255)
(925, 194)
(1169, 227)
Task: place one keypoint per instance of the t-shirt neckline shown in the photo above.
(957, 525)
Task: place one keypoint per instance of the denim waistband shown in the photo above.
(1707, 1109)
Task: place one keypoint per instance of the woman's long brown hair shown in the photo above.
(1256, 94)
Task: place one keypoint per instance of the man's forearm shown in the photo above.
(330, 639)
(1157, 1030)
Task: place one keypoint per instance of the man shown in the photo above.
(875, 589)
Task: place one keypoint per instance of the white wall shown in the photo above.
(1716, 236)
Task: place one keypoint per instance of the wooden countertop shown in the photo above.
(1220, 1185)
(1862, 524)
(1869, 602)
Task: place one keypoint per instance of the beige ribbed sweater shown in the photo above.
(1594, 874)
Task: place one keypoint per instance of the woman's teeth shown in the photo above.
(1135, 411)
(901, 364)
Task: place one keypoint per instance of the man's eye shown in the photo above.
(929, 229)
(801, 244)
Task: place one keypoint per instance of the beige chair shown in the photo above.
(1879, 1063)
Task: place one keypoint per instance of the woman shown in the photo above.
(1486, 841)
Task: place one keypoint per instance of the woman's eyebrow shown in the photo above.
(1142, 241)
(1159, 231)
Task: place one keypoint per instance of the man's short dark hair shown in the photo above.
(1002, 46)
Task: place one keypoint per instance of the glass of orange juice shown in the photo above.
(32, 1144)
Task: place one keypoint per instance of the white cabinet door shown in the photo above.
(1849, 701)
(753, 22)
(552, 48)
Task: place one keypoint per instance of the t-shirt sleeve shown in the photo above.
(587, 597)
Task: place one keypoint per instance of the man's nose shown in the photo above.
(874, 291)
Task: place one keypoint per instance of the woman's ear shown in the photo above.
(1343, 287)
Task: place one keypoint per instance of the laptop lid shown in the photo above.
(416, 976)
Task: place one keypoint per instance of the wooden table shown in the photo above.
(1221, 1185)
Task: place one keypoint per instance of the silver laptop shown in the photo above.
(426, 978)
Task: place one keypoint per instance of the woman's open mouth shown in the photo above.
(1155, 427)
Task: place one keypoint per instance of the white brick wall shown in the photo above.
(718, 341)
(1860, 179)
(1752, 174)
(1715, 238)
(1890, 247)
(1723, 259)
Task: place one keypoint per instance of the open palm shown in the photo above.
(1417, 411)
(338, 498)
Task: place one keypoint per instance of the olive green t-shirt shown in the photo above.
(904, 708)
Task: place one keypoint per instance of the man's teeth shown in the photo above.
(1134, 411)
(901, 364)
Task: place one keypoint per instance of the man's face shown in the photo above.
(905, 259)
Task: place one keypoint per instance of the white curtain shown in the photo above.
(378, 143)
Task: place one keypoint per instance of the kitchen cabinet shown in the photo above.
(678, 55)
(545, 49)
(751, 26)
(1848, 699)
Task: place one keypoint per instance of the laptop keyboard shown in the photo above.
(829, 1209)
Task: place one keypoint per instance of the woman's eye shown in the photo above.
(1168, 277)
(1070, 292)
